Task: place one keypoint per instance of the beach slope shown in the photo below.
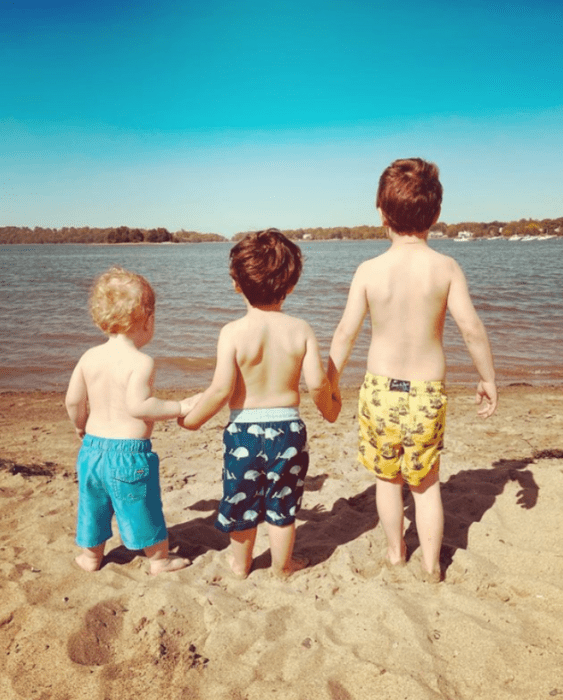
(346, 628)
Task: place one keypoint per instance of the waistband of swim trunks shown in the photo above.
(417, 386)
(117, 445)
(264, 415)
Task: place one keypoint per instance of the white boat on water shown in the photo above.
(463, 236)
(543, 237)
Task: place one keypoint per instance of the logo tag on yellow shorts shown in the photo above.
(399, 385)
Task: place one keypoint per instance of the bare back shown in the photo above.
(105, 373)
(269, 348)
(406, 291)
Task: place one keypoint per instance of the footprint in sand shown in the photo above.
(93, 644)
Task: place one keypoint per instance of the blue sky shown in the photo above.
(221, 116)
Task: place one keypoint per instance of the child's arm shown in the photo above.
(138, 396)
(318, 384)
(347, 330)
(219, 391)
(76, 401)
(187, 404)
(475, 337)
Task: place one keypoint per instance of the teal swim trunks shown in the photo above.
(119, 477)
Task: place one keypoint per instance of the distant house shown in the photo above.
(464, 236)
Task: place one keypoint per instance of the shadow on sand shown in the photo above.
(466, 496)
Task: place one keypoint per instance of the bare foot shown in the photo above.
(237, 572)
(388, 564)
(430, 576)
(171, 563)
(294, 564)
(391, 559)
(88, 561)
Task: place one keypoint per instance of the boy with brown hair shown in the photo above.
(402, 403)
(260, 358)
(109, 400)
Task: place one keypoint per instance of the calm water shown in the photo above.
(516, 288)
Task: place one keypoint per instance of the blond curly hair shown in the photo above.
(120, 300)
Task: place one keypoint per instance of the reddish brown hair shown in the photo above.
(266, 265)
(410, 195)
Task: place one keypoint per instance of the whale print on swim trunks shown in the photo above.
(264, 471)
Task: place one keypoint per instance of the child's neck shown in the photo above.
(398, 239)
(129, 340)
(266, 307)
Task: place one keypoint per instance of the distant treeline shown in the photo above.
(124, 234)
(524, 227)
(85, 234)
(357, 233)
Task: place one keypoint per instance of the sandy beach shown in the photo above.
(346, 628)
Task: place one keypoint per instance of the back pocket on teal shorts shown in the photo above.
(130, 483)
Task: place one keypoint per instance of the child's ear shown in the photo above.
(384, 221)
(237, 289)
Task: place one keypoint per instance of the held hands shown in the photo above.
(486, 397)
(186, 406)
(336, 398)
(336, 404)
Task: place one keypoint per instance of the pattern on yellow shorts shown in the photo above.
(401, 432)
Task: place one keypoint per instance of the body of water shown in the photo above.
(516, 288)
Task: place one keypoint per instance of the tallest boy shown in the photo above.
(402, 404)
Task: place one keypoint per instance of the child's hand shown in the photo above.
(337, 397)
(486, 397)
(336, 403)
(187, 404)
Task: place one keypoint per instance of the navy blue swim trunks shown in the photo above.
(265, 463)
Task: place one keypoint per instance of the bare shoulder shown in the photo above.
(139, 364)
(448, 263)
(366, 269)
(143, 360)
(230, 331)
(296, 325)
(446, 259)
(439, 262)
(92, 356)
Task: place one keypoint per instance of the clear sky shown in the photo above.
(224, 116)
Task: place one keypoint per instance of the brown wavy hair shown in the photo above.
(120, 299)
(410, 195)
(266, 265)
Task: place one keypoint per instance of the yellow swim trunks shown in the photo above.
(401, 427)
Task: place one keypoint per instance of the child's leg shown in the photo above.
(242, 546)
(161, 560)
(429, 515)
(389, 501)
(91, 557)
(282, 540)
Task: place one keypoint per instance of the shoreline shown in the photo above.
(167, 392)
(432, 237)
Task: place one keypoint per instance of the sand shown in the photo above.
(346, 628)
